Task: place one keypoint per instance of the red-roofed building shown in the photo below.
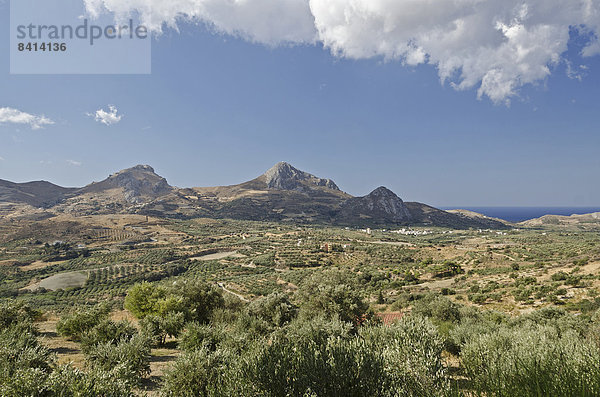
(390, 317)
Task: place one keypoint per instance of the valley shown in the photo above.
(174, 278)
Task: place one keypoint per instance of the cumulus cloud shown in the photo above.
(14, 116)
(74, 163)
(107, 117)
(266, 21)
(493, 46)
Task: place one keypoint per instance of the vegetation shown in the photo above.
(221, 308)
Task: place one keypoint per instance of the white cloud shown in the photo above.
(74, 163)
(494, 46)
(1, 158)
(109, 117)
(14, 116)
(266, 21)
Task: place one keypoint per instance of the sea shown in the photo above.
(519, 214)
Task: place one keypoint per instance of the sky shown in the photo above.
(463, 103)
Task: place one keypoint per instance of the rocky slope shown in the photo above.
(283, 176)
(137, 185)
(35, 194)
(380, 206)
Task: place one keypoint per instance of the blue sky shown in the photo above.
(218, 109)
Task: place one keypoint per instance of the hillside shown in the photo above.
(35, 194)
(580, 221)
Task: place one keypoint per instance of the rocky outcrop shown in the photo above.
(283, 176)
(138, 183)
(380, 206)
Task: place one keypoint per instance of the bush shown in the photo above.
(532, 361)
(24, 363)
(317, 358)
(68, 381)
(107, 331)
(159, 327)
(333, 294)
(12, 313)
(21, 351)
(329, 360)
(199, 373)
(129, 359)
(196, 300)
(199, 336)
(199, 299)
(438, 308)
(142, 299)
(74, 325)
(339, 367)
(412, 350)
(275, 309)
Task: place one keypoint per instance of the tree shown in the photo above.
(12, 313)
(333, 294)
(198, 298)
(275, 309)
(129, 358)
(107, 331)
(199, 373)
(74, 325)
(142, 299)
(159, 327)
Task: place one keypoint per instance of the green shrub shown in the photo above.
(333, 294)
(128, 358)
(74, 325)
(107, 331)
(142, 299)
(159, 327)
(412, 352)
(275, 309)
(22, 351)
(24, 363)
(532, 361)
(67, 381)
(298, 367)
(195, 299)
(200, 373)
(12, 313)
(199, 299)
(438, 308)
(198, 336)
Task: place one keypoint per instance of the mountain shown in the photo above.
(136, 185)
(283, 176)
(283, 193)
(35, 194)
(127, 191)
(380, 206)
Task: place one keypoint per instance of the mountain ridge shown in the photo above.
(282, 193)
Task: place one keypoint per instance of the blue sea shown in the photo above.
(518, 214)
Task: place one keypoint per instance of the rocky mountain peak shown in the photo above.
(384, 192)
(284, 176)
(384, 200)
(138, 183)
(381, 204)
(140, 167)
